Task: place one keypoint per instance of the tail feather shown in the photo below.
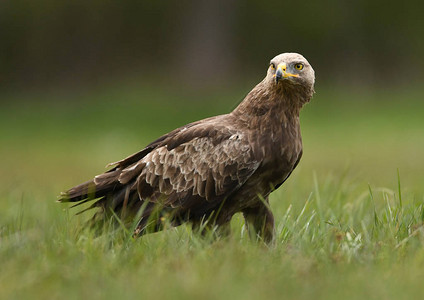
(112, 198)
(100, 186)
(115, 200)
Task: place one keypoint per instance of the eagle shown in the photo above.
(206, 171)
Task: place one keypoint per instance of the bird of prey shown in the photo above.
(206, 171)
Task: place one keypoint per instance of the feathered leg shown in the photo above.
(260, 221)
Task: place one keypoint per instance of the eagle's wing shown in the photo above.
(191, 168)
(203, 163)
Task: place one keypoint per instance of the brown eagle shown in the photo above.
(207, 171)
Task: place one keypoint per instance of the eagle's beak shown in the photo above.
(281, 72)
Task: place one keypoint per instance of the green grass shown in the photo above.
(349, 220)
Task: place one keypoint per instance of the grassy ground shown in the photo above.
(349, 220)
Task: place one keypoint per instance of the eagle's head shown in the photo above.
(290, 70)
(288, 85)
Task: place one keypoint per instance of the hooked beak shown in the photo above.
(281, 73)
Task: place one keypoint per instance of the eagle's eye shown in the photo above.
(298, 66)
(272, 66)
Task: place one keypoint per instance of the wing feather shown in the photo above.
(193, 168)
(207, 168)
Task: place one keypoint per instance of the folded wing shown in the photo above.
(190, 170)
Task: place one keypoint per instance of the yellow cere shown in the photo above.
(282, 66)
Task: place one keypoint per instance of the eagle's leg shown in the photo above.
(260, 221)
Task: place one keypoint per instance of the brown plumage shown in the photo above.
(211, 169)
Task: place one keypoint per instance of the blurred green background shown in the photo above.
(50, 43)
(84, 83)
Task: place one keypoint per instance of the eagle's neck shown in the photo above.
(271, 118)
(266, 103)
